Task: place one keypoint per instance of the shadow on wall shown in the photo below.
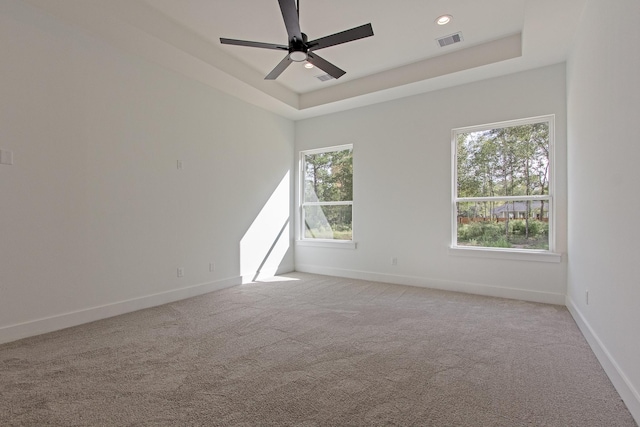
(265, 244)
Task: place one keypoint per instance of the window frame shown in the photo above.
(302, 239)
(544, 255)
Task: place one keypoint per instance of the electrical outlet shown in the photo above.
(179, 164)
(212, 267)
(586, 296)
(394, 261)
(180, 272)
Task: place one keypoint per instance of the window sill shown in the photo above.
(517, 255)
(338, 244)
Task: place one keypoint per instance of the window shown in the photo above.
(327, 194)
(502, 185)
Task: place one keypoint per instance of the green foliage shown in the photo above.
(536, 228)
(469, 232)
(481, 231)
(500, 242)
(500, 163)
(519, 226)
(511, 234)
(327, 232)
(511, 161)
(328, 178)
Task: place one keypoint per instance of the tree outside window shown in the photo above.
(502, 185)
(327, 193)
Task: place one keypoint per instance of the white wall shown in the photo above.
(603, 87)
(402, 187)
(95, 217)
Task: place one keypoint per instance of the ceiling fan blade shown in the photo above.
(253, 44)
(325, 65)
(291, 20)
(279, 68)
(342, 37)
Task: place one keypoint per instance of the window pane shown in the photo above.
(328, 222)
(510, 161)
(517, 225)
(328, 176)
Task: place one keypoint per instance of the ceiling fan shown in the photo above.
(299, 48)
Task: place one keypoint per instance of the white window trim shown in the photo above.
(506, 253)
(320, 243)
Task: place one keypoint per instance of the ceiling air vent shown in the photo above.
(448, 40)
(324, 77)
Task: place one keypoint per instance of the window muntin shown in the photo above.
(503, 185)
(327, 194)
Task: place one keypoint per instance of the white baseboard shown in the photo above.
(266, 272)
(625, 388)
(75, 318)
(469, 288)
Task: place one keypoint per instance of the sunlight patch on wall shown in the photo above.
(265, 244)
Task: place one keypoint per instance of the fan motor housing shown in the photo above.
(298, 49)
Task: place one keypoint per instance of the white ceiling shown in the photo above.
(405, 31)
(402, 58)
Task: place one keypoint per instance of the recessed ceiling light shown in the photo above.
(308, 65)
(444, 19)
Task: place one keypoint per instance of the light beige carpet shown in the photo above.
(313, 350)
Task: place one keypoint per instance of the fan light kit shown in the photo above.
(444, 19)
(299, 48)
(298, 56)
